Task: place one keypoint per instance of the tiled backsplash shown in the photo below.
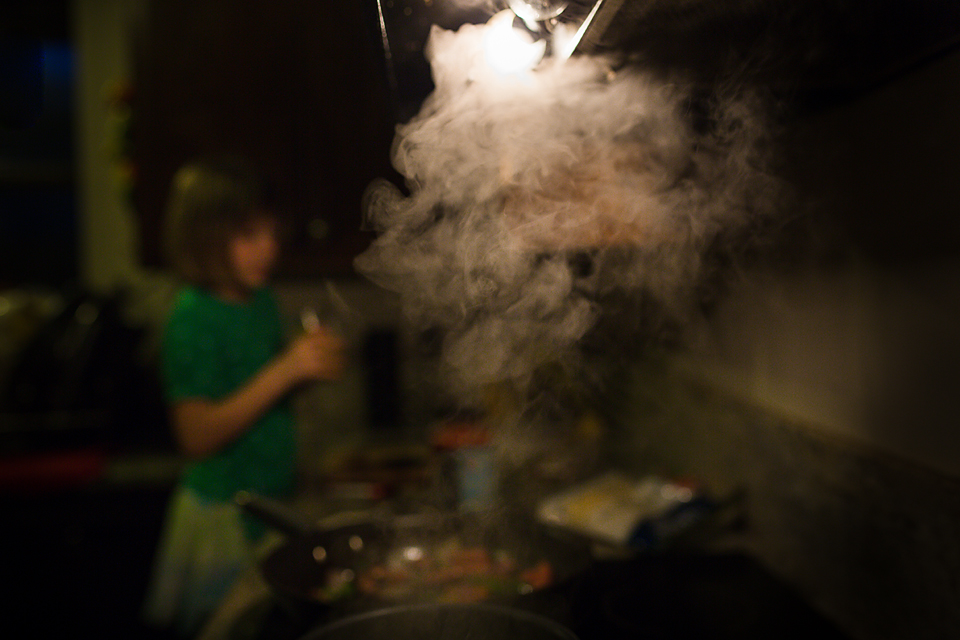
(873, 541)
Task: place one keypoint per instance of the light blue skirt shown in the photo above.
(202, 551)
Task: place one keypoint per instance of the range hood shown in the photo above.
(813, 50)
(812, 53)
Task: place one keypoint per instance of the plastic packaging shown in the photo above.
(621, 511)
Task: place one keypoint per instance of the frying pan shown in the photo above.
(311, 557)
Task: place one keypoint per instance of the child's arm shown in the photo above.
(205, 426)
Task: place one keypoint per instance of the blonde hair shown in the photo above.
(211, 201)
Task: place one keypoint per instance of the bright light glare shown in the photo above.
(413, 554)
(533, 11)
(508, 50)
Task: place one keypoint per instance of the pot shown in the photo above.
(444, 622)
(319, 571)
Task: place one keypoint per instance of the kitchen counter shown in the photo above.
(713, 591)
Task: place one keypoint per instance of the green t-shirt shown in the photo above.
(211, 348)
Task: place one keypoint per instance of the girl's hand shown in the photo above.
(205, 426)
(319, 354)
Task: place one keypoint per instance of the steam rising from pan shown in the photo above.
(537, 204)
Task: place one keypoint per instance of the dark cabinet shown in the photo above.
(300, 88)
(80, 558)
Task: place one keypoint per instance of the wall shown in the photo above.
(871, 540)
(861, 340)
(824, 384)
(103, 32)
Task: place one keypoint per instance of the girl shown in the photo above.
(227, 377)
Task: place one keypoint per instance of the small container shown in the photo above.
(476, 477)
(469, 460)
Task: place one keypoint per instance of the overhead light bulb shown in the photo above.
(509, 50)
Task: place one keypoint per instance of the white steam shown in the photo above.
(508, 177)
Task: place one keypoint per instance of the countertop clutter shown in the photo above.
(675, 595)
(705, 587)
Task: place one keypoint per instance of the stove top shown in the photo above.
(680, 596)
(675, 596)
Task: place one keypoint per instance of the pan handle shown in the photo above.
(274, 514)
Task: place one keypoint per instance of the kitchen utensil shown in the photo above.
(311, 558)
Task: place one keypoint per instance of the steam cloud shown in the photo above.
(537, 205)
